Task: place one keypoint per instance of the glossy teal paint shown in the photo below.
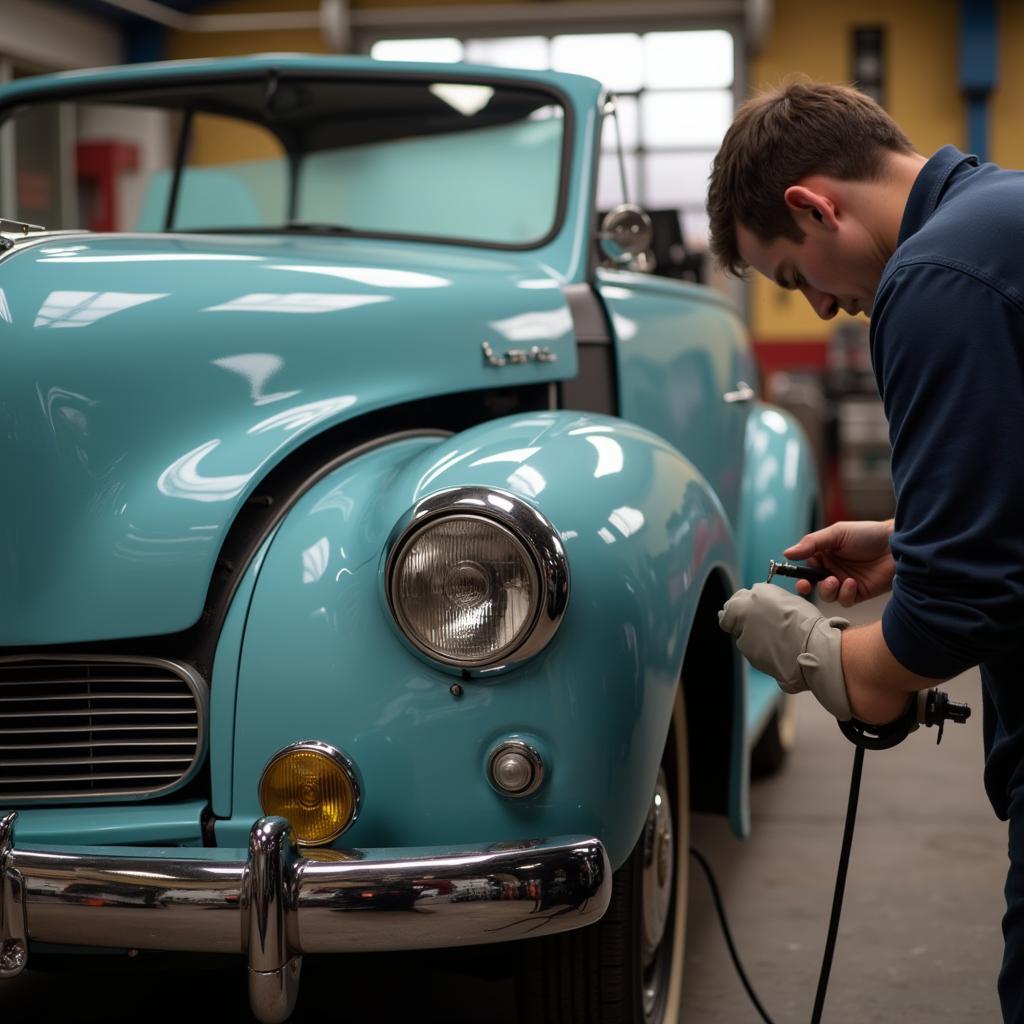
(198, 363)
(680, 348)
(566, 255)
(641, 531)
(130, 442)
(763, 697)
(780, 491)
(224, 687)
(779, 499)
(154, 824)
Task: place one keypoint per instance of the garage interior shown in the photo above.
(920, 938)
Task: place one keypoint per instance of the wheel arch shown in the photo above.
(712, 683)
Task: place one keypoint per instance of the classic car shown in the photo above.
(367, 512)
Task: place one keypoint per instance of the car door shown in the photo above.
(683, 364)
(685, 370)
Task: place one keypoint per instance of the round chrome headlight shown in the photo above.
(476, 578)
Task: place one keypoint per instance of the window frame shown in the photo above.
(98, 91)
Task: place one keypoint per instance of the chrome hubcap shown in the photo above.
(659, 873)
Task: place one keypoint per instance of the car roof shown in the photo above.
(64, 83)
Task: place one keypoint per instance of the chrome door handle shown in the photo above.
(743, 393)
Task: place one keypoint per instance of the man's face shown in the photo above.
(836, 266)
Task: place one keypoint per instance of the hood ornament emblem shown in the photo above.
(534, 354)
(14, 227)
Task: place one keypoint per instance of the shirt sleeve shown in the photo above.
(949, 356)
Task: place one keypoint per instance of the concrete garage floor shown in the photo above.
(920, 935)
(919, 940)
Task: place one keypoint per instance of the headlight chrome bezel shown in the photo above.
(528, 528)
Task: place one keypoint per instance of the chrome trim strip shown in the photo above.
(275, 905)
(186, 673)
(743, 393)
(527, 525)
(341, 759)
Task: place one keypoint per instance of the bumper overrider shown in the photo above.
(274, 904)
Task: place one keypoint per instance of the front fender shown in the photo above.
(321, 657)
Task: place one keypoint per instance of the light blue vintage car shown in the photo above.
(366, 517)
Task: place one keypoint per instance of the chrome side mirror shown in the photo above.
(626, 234)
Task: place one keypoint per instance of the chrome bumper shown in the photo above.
(274, 904)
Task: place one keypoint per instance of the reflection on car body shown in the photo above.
(369, 516)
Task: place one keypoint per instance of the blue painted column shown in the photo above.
(978, 67)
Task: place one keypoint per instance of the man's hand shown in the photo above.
(787, 638)
(857, 555)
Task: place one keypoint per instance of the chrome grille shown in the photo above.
(81, 728)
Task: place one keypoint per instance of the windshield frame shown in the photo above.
(71, 91)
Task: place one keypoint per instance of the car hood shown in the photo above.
(150, 381)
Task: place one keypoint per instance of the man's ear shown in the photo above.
(811, 208)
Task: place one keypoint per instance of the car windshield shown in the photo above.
(476, 162)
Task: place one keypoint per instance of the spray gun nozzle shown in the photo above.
(799, 572)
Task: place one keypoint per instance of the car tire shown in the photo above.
(772, 749)
(614, 971)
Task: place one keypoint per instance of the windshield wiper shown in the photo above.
(303, 226)
(318, 227)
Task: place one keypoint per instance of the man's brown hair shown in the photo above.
(782, 136)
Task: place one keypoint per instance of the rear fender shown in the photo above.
(780, 502)
(780, 495)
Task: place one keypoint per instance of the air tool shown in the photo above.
(928, 708)
(798, 572)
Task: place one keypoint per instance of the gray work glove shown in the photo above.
(788, 638)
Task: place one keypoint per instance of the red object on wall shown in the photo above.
(99, 164)
(790, 355)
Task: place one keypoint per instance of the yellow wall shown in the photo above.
(1006, 132)
(187, 45)
(222, 140)
(922, 94)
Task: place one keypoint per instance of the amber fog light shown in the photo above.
(315, 787)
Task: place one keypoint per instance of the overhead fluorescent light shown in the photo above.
(466, 99)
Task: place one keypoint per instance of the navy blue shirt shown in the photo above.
(947, 345)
